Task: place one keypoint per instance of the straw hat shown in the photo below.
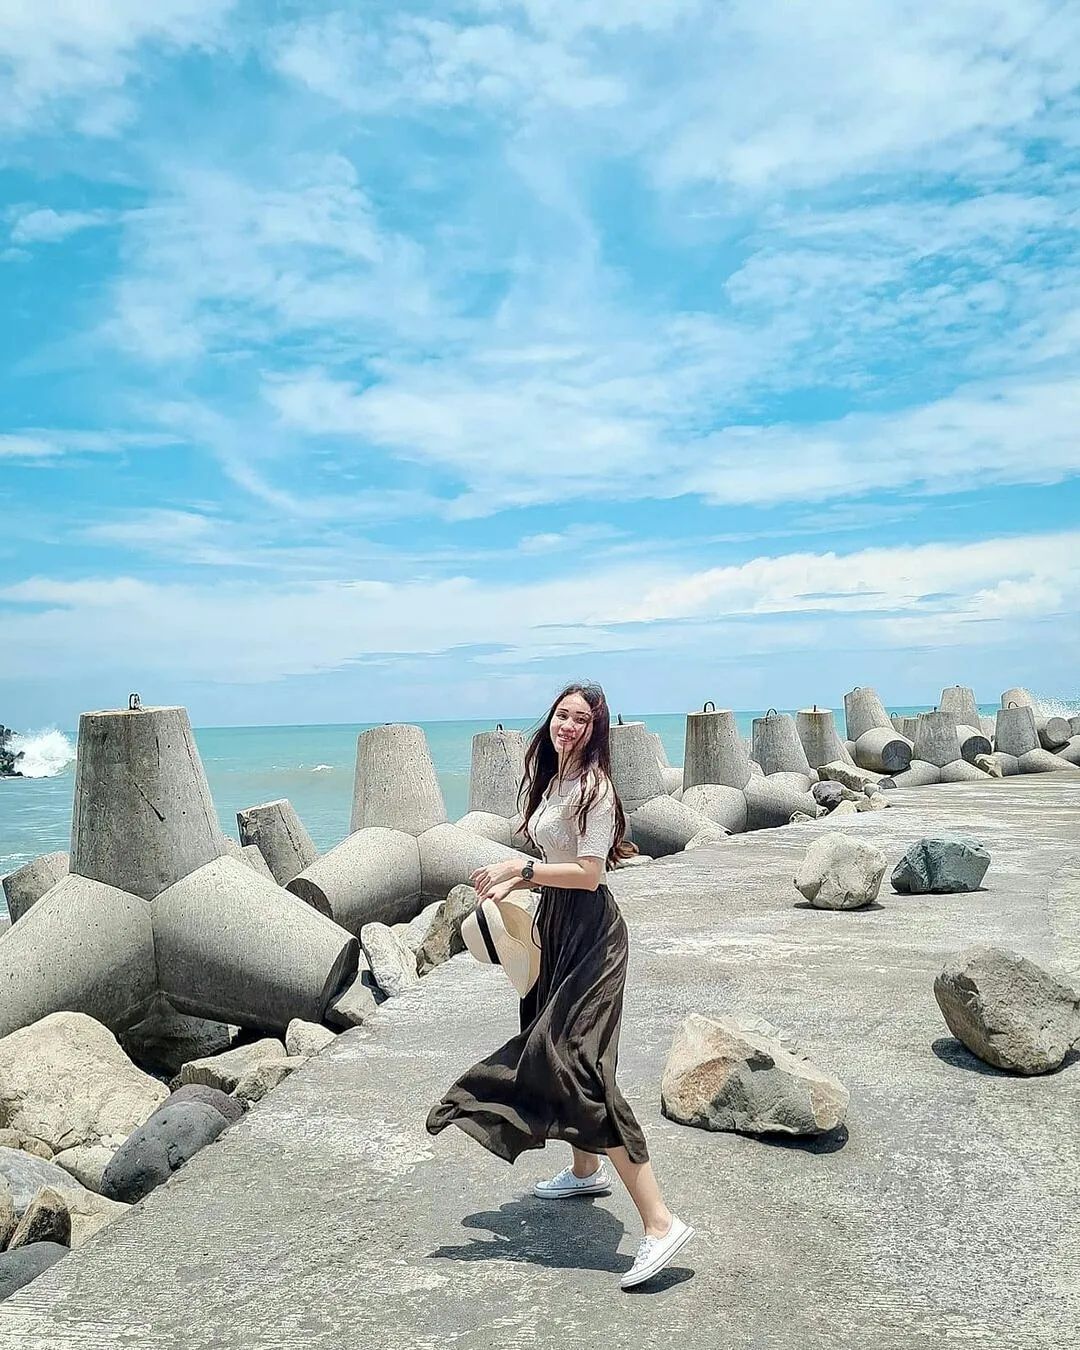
(502, 933)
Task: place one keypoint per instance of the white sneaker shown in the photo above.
(566, 1183)
(655, 1252)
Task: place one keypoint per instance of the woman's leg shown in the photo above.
(585, 1164)
(640, 1180)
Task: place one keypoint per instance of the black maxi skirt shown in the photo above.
(556, 1078)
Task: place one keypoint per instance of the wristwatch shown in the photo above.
(527, 871)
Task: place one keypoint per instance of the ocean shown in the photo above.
(311, 765)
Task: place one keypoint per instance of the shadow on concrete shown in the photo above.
(951, 1051)
(822, 909)
(832, 1142)
(571, 1234)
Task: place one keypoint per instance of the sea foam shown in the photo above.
(44, 753)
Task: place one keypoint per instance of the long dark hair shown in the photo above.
(542, 764)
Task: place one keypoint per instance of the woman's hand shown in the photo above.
(499, 891)
(494, 875)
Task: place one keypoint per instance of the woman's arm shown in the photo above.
(582, 875)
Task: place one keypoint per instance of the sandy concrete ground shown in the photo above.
(948, 1214)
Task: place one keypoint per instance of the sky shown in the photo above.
(404, 361)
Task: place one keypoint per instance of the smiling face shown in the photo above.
(570, 726)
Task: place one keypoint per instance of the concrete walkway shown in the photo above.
(328, 1217)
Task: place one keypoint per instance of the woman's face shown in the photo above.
(570, 725)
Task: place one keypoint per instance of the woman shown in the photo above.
(556, 1078)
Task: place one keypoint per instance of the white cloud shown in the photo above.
(946, 594)
(37, 443)
(46, 226)
(72, 54)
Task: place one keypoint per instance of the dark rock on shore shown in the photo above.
(9, 759)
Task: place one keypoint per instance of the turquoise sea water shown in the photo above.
(311, 765)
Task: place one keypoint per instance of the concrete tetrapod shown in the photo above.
(973, 742)
(1071, 752)
(1054, 732)
(83, 947)
(998, 764)
(396, 785)
(25, 886)
(918, 774)
(776, 745)
(1017, 698)
(715, 752)
(279, 834)
(635, 770)
(1043, 761)
(489, 826)
(142, 815)
(820, 739)
(1015, 732)
(959, 700)
(883, 750)
(498, 766)
(661, 753)
(862, 711)
(673, 778)
(237, 948)
(772, 801)
(449, 856)
(371, 876)
(724, 805)
(960, 771)
(936, 740)
(664, 826)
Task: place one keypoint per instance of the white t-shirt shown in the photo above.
(554, 824)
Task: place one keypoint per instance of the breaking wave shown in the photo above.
(44, 754)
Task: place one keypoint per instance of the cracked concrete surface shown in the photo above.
(948, 1212)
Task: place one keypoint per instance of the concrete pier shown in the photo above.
(945, 1212)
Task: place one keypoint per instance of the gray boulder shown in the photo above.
(222, 1102)
(225, 1071)
(443, 939)
(1007, 1010)
(357, 1001)
(165, 1039)
(307, 1038)
(169, 1138)
(392, 963)
(8, 1217)
(840, 871)
(86, 1163)
(25, 1175)
(263, 1077)
(20, 1267)
(724, 1073)
(45, 1219)
(940, 867)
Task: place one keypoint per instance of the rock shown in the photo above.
(845, 808)
(722, 1074)
(635, 860)
(848, 775)
(830, 794)
(45, 1219)
(877, 802)
(358, 1000)
(991, 764)
(66, 1080)
(797, 818)
(416, 930)
(443, 939)
(20, 1267)
(27, 1142)
(86, 1163)
(263, 1077)
(392, 963)
(25, 1175)
(8, 1218)
(221, 1102)
(840, 871)
(941, 866)
(155, 1150)
(225, 1071)
(307, 1038)
(1007, 1010)
(165, 1039)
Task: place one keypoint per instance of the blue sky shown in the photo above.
(401, 361)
